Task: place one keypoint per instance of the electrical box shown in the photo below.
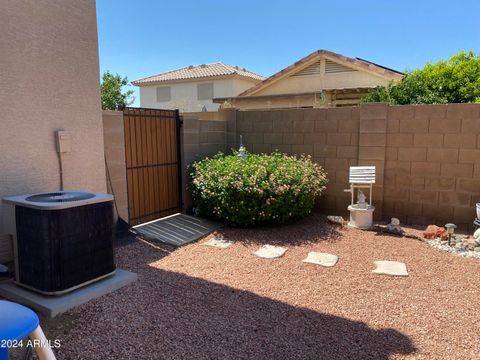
(64, 141)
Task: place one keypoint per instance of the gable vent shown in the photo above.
(313, 69)
(333, 67)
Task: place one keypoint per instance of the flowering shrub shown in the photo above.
(256, 190)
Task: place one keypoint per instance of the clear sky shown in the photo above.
(139, 38)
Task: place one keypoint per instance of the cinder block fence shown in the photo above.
(427, 156)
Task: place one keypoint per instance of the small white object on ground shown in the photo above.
(323, 259)
(336, 219)
(270, 251)
(392, 268)
(218, 243)
(476, 236)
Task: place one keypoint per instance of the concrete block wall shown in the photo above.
(330, 136)
(204, 135)
(427, 157)
(114, 142)
(433, 163)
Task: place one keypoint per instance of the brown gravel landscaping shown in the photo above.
(199, 302)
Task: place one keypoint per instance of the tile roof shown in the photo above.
(199, 72)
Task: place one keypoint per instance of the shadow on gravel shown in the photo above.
(205, 320)
(313, 229)
(169, 315)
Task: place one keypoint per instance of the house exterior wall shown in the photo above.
(49, 80)
(184, 94)
(322, 81)
(317, 83)
(295, 89)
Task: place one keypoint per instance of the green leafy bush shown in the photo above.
(259, 189)
(455, 80)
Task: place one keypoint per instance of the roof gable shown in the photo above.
(334, 63)
(197, 72)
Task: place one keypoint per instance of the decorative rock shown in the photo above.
(476, 234)
(270, 251)
(434, 231)
(392, 268)
(323, 259)
(443, 246)
(394, 227)
(336, 220)
(218, 243)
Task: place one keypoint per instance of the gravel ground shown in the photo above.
(198, 302)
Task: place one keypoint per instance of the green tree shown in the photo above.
(112, 94)
(455, 80)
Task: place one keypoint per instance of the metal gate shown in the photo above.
(152, 154)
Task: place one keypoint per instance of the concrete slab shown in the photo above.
(218, 243)
(270, 251)
(51, 306)
(323, 259)
(176, 230)
(392, 268)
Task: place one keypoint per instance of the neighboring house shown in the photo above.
(192, 88)
(322, 79)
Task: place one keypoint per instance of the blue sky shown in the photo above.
(141, 38)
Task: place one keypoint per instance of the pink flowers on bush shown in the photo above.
(257, 190)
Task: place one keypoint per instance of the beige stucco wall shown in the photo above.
(49, 80)
(114, 141)
(184, 94)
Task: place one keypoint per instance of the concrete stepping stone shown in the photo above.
(391, 268)
(270, 251)
(323, 259)
(218, 243)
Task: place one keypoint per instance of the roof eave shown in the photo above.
(310, 93)
(141, 83)
(361, 64)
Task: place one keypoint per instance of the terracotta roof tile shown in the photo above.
(199, 72)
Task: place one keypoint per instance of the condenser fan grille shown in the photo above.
(60, 197)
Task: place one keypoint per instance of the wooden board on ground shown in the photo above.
(176, 230)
